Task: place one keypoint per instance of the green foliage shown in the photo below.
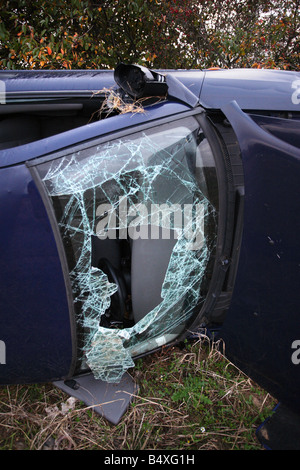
(170, 34)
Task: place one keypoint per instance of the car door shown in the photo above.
(261, 331)
(138, 214)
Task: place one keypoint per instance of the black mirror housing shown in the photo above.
(139, 82)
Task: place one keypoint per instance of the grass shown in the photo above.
(189, 398)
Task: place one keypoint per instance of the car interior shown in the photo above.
(24, 123)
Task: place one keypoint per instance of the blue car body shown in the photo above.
(254, 303)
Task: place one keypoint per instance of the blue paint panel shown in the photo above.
(34, 315)
(55, 80)
(252, 89)
(264, 318)
(28, 81)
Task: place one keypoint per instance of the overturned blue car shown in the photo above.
(139, 208)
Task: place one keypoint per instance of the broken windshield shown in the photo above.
(138, 220)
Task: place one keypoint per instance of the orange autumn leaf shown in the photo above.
(49, 50)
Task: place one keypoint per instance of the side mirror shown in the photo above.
(139, 82)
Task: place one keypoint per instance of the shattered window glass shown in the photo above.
(138, 219)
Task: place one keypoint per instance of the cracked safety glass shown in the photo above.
(138, 221)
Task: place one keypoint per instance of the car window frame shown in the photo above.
(219, 270)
